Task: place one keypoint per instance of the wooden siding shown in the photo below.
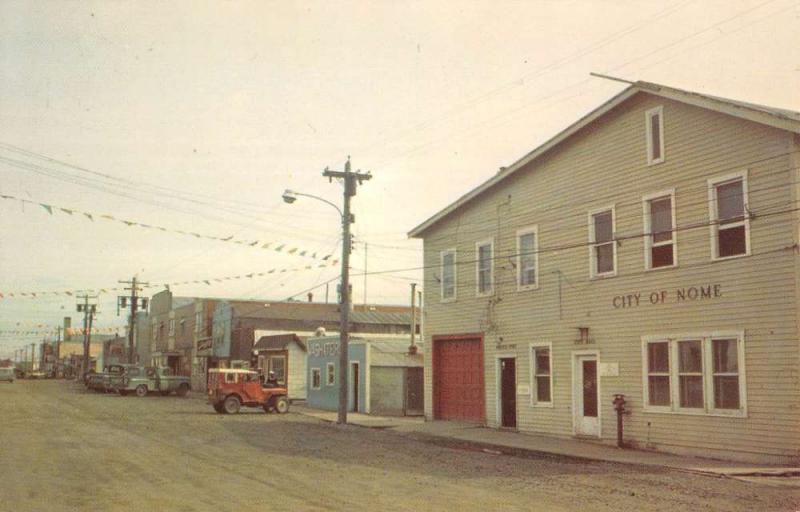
(606, 164)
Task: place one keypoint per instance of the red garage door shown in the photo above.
(458, 379)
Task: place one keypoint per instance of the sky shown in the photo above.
(195, 117)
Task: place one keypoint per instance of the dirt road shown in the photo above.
(65, 449)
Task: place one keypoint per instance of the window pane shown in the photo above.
(725, 356)
(661, 219)
(542, 361)
(542, 389)
(691, 390)
(603, 229)
(732, 241)
(662, 256)
(605, 258)
(527, 274)
(658, 388)
(730, 201)
(658, 357)
(690, 358)
(655, 136)
(726, 392)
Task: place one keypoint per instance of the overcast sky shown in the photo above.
(195, 116)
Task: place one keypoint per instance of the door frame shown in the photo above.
(498, 385)
(576, 355)
(353, 373)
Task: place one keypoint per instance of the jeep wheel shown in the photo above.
(183, 390)
(231, 404)
(282, 405)
(219, 408)
(141, 390)
(123, 392)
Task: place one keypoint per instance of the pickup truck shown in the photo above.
(112, 377)
(141, 380)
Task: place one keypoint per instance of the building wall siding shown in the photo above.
(603, 165)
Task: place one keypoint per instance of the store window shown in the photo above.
(541, 375)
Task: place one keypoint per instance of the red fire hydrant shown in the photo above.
(619, 406)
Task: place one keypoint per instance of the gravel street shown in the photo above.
(67, 449)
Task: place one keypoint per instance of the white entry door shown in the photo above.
(586, 395)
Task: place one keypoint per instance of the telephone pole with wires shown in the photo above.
(88, 311)
(135, 302)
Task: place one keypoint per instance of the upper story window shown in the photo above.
(485, 266)
(603, 248)
(701, 374)
(655, 135)
(659, 226)
(448, 291)
(527, 258)
(730, 222)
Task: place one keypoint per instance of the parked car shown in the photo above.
(230, 389)
(7, 374)
(141, 380)
(112, 377)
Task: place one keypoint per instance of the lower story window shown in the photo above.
(330, 378)
(315, 378)
(697, 374)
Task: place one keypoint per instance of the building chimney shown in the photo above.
(310, 297)
(67, 327)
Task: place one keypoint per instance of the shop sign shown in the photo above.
(678, 295)
(320, 349)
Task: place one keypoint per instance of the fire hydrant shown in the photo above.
(619, 406)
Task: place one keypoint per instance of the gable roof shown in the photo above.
(277, 342)
(777, 118)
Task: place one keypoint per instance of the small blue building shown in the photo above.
(383, 377)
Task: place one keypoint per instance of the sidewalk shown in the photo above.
(498, 442)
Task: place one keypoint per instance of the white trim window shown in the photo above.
(730, 220)
(448, 263)
(654, 121)
(528, 258)
(316, 378)
(330, 374)
(660, 243)
(603, 247)
(484, 267)
(541, 374)
(695, 374)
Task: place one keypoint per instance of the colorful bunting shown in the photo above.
(256, 243)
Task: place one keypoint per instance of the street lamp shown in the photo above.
(351, 179)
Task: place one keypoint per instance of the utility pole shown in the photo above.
(33, 355)
(58, 350)
(88, 311)
(351, 182)
(134, 302)
(412, 349)
(365, 276)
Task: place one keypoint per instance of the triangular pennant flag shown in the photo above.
(266, 245)
(254, 244)
(67, 211)
(302, 253)
(109, 217)
(280, 247)
(89, 216)
(48, 208)
(162, 229)
(326, 257)
(129, 223)
(198, 235)
(227, 239)
(292, 250)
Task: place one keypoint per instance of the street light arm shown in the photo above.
(293, 193)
